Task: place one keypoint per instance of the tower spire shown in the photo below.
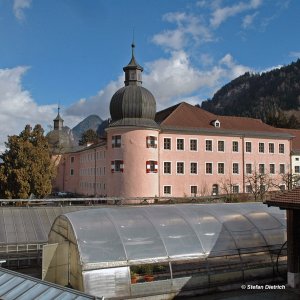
(133, 71)
(58, 121)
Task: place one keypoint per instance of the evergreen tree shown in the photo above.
(27, 167)
(89, 136)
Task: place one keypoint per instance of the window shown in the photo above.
(167, 143)
(235, 146)
(282, 168)
(151, 142)
(261, 147)
(235, 168)
(193, 145)
(248, 147)
(281, 148)
(180, 167)
(248, 189)
(271, 147)
(297, 169)
(72, 159)
(117, 166)
(261, 168)
(208, 168)
(248, 168)
(193, 168)
(282, 187)
(235, 189)
(297, 158)
(194, 190)
(272, 168)
(221, 146)
(151, 166)
(215, 190)
(167, 167)
(71, 172)
(221, 168)
(116, 141)
(208, 145)
(167, 190)
(180, 144)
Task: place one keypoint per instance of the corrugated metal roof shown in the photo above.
(24, 225)
(14, 285)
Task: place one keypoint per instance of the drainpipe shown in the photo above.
(243, 162)
(95, 173)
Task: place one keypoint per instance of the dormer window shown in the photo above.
(216, 123)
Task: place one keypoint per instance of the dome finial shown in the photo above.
(132, 44)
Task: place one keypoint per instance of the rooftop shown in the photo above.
(14, 285)
(184, 116)
(287, 200)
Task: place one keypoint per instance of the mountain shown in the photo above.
(273, 97)
(91, 122)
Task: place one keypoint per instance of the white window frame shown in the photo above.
(238, 146)
(180, 161)
(167, 137)
(218, 146)
(221, 162)
(167, 185)
(212, 145)
(194, 162)
(246, 147)
(197, 141)
(246, 168)
(212, 168)
(238, 173)
(264, 148)
(193, 194)
(163, 170)
(183, 144)
(269, 148)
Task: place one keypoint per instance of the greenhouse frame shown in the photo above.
(132, 252)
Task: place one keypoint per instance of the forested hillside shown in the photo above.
(272, 96)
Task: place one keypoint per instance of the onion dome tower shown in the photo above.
(132, 137)
(58, 121)
(60, 139)
(133, 105)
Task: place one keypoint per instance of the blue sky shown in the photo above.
(72, 51)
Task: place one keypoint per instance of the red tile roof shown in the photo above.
(288, 199)
(184, 115)
(295, 140)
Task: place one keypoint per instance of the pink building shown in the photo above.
(180, 151)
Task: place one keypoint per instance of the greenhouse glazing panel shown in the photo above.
(98, 239)
(213, 236)
(178, 235)
(20, 228)
(139, 236)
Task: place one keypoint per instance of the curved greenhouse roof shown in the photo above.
(118, 236)
(24, 225)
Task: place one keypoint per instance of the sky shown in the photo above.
(71, 52)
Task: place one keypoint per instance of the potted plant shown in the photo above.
(133, 277)
(148, 273)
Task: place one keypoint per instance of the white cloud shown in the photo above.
(18, 8)
(17, 108)
(248, 20)
(188, 28)
(171, 80)
(98, 103)
(221, 14)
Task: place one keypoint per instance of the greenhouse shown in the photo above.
(166, 249)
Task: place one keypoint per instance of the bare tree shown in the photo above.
(258, 184)
(226, 186)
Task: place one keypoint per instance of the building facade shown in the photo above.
(180, 151)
